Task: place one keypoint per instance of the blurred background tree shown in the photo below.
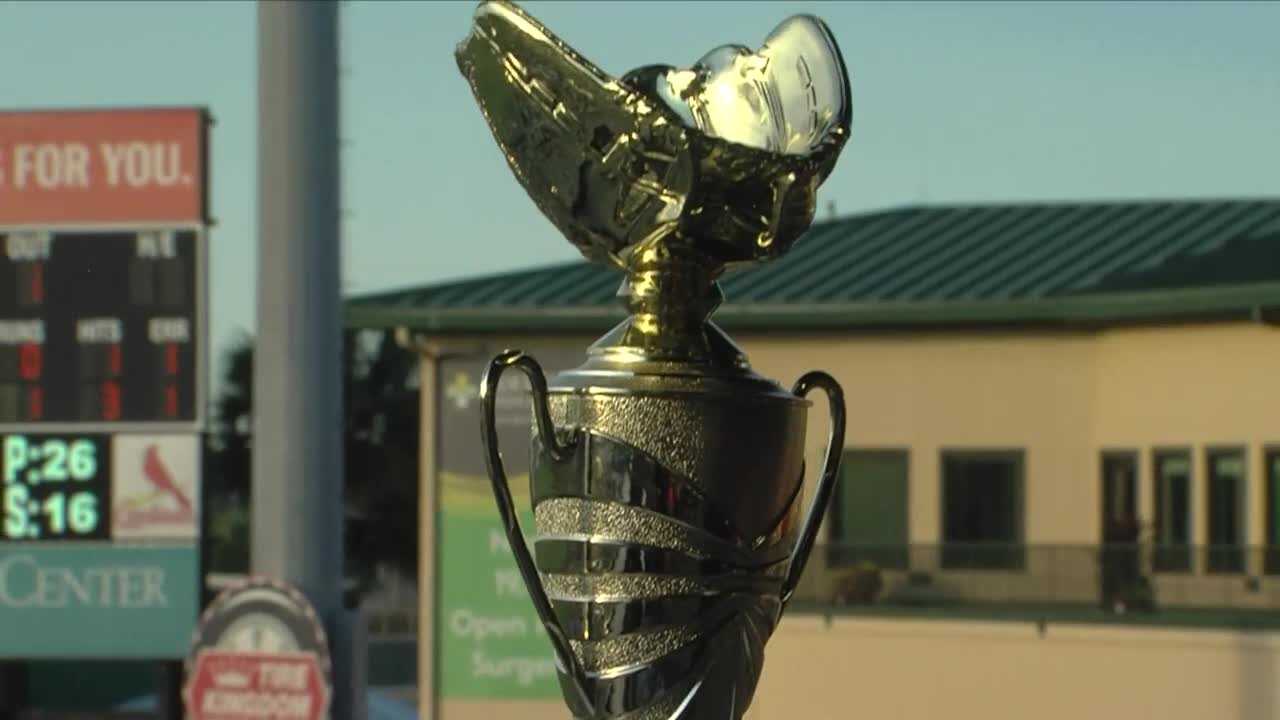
(380, 432)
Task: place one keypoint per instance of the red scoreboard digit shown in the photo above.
(29, 361)
(171, 365)
(21, 371)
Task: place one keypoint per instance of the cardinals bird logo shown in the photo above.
(161, 479)
(150, 509)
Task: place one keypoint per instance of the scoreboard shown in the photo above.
(99, 326)
(103, 365)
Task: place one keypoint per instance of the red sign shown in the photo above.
(102, 166)
(228, 685)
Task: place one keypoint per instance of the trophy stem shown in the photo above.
(670, 296)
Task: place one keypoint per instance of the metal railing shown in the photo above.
(1197, 585)
(1204, 585)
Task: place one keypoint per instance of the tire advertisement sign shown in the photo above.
(259, 652)
(491, 644)
(227, 685)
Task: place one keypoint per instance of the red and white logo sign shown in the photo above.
(229, 685)
(102, 166)
(155, 488)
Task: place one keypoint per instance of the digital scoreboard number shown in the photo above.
(56, 487)
(99, 327)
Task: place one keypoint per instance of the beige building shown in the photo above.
(1063, 440)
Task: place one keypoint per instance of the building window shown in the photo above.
(1172, 471)
(1120, 557)
(982, 509)
(1271, 465)
(1226, 511)
(868, 520)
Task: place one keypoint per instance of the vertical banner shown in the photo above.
(491, 642)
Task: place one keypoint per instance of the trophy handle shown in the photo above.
(564, 654)
(826, 482)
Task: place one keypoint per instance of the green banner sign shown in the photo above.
(81, 600)
(491, 644)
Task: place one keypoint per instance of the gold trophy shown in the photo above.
(666, 476)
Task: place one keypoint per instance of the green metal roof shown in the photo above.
(1086, 262)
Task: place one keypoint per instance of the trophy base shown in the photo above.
(669, 527)
(665, 601)
(666, 518)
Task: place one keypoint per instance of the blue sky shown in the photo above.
(953, 102)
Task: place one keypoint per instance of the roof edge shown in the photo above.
(379, 297)
(1108, 308)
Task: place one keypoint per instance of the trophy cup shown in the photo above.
(666, 475)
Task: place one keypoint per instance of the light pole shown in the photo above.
(297, 453)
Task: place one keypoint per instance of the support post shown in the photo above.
(169, 677)
(297, 449)
(15, 694)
